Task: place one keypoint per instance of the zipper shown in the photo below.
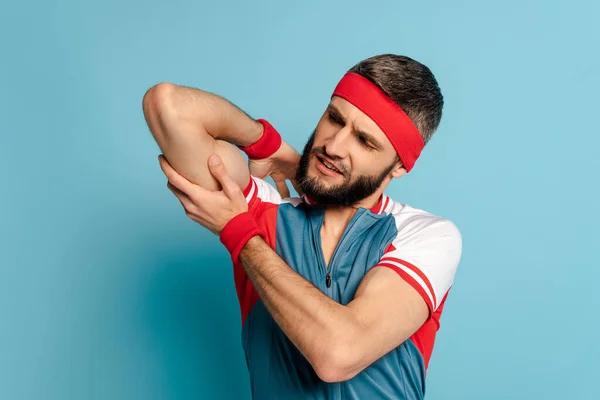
(318, 245)
(351, 225)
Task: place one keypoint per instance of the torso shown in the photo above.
(329, 244)
(392, 233)
(334, 264)
(330, 237)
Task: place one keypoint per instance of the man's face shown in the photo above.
(347, 158)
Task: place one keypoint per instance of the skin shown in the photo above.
(189, 125)
(339, 341)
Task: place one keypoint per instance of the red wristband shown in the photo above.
(268, 143)
(237, 232)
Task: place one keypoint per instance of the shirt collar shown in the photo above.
(378, 208)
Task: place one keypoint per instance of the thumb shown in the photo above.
(217, 169)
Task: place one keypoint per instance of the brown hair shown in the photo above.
(410, 84)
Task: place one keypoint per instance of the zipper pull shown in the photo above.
(328, 279)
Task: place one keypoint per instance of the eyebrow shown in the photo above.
(370, 138)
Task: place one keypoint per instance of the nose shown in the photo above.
(337, 146)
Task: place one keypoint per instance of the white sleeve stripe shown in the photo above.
(252, 191)
(414, 275)
(416, 271)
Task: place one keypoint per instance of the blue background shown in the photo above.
(108, 291)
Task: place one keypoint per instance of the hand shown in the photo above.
(213, 210)
(282, 165)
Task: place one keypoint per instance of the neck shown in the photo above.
(336, 218)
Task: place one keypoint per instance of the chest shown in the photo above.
(328, 246)
(335, 265)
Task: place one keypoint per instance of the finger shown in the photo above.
(282, 188)
(217, 169)
(183, 198)
(188, 188)
(174, 177)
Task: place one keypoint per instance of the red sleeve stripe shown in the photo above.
(410, 279)
(381, 203)
(251, 191)
(248, 186)
(417, 273)
(387, 201)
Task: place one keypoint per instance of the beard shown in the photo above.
(347, 193)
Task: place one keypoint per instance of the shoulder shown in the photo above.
(419, 227)
(260, 194)
(425, 252)
(259, 190)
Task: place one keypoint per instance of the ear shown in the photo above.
(398, 170)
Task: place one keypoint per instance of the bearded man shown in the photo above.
(341, 289)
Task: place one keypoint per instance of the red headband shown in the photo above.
(390, 118)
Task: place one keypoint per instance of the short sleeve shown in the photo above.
(260, 191)
(426, 253)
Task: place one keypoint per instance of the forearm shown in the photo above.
(316, 324)
(210, 113)
(189, 125)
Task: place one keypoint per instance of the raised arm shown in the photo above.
(190, 124)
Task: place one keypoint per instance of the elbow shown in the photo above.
(158, 103)
(336, 364)
(331, 375)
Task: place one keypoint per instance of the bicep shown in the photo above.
(186, 144)
(387, 311)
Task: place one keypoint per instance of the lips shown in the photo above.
(331, 166)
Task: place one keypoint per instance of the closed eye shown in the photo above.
(334, 118)
(365, 142)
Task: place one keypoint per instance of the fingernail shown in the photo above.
(214, 160)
